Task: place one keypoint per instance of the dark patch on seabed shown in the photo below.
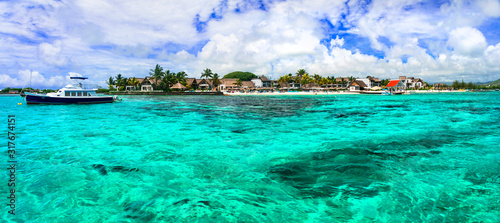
(351, 172)
(139, 210)
(104, 171)
(243, 108)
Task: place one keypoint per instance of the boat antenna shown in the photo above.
(31, 73)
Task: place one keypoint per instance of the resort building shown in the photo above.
(266, 83)
(192, 83)
(358, 85)
(228, 84)
(396, 85)
(342, 82)
(204, 84)
(248, 84)
(146, 84)
(258, 83)
(178, 86)
(411, 82)
(373, 81)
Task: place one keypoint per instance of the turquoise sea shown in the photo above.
(335, 158)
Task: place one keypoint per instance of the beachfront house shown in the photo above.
(228, 84)
(178, 86)
(204, 84)
(342, 82)
(131, 87)
(258, 83)
(358, 85)
(415, 83)
(266, 83)
(396, 85)
(192, 83)
(411, 82)
(373, 81)
(146, 84)
(248, 85)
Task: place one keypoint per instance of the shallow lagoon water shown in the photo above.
(332, 158)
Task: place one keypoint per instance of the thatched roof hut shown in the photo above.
(178, 86)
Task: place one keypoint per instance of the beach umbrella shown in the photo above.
(376, 88)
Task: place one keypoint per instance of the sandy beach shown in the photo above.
(289, 93)
(326, 93)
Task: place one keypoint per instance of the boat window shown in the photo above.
(79, 93)
(73, 93)
(85, 93)
(67, 93)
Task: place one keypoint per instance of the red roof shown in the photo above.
(392, 83)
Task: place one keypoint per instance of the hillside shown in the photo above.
(494, 83)
(244, 76)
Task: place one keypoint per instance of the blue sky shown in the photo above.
(439, 41)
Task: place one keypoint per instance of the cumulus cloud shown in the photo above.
(490, 7)
(51, 53)
(25, 78)
(467, 41)
(355, 38)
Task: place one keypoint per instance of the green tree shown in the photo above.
(134, 82)
(110, 82)
(238, 83)
(317, 79)
(306, 79)
(384, 82)
(120, 82)
(181, 77)
(301, 72)
(157, 73)
(215, 80)
(244, 76)
(207, 74)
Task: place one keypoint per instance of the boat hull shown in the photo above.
(42, 99)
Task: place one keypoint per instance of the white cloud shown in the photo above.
(467, 41)
(99, 39)
(25, 78)
(337, 42)
(490, 7)
(51, 53)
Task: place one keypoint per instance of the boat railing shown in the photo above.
(89, 86)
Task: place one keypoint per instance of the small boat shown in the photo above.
(371, 92)
(70, 94)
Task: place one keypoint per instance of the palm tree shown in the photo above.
(285, 80)
(317, 79)
(110, 82)
(301, 72)
(119, 81)
(207, 74)
(215, 80)
(238, 82)
(157, 73)
(181, 77)
(134, 82)
(305, 79)
(324, 81)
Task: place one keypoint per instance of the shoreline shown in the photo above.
(331, 93)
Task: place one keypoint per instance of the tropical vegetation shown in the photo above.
(304, 78)
(243, 76)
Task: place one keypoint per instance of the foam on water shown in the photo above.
(348, 158)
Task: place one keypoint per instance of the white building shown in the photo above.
(257, 82)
